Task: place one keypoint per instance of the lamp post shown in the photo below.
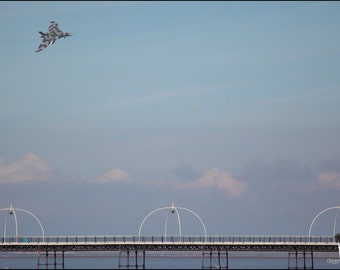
(173, 209)
(11, 211)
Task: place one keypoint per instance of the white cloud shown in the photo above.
(30, 168)
(220, 179)
(114, 176)
(330, 179)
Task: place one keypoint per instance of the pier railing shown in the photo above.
(166, 239)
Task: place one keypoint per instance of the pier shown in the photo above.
(132, 250)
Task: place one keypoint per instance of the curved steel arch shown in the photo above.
(16, 221)
(205, 231)
(321, 212)
(178, 219)
(334, 225)
(156, 210)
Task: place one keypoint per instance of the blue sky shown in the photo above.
(230, 109)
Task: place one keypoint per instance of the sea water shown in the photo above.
(175, 260)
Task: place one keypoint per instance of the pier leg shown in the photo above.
(217, 259)
(55, 260)
(136, 259)
(63, 258)
(119, 258)
(59, 260)
(46, 260)
(300, 259)
(38, 259)
(308, 260)
(312, 260)
(227, 258)
(48, 263)
(203, 260)
(130, 261)
(140, 259)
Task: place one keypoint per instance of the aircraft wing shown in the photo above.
(47, 40)
(54, 30)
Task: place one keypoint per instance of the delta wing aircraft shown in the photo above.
(53, 34)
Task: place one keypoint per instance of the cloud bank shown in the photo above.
(30, 168)
(278, 174)
(330, 179)
(114, 176)
(329, 175)
(216, 178)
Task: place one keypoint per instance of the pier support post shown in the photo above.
(215, 259)
(58, 260)
(131, 259)
(300, 260)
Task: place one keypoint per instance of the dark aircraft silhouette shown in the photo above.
(53, 34)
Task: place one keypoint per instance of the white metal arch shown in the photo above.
(12, 210)
(334, 225)
(156, 210)
(205, 231)
(321, 212)
(173, 208)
